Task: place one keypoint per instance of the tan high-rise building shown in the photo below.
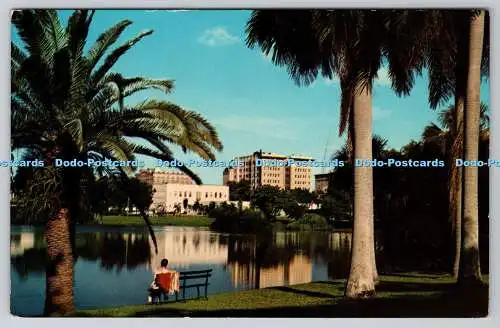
(264, 168)
(157, 176)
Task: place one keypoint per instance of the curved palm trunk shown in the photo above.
(59, 274)
(360, 282)
(469, 271)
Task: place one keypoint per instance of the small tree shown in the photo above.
(197, 206)
(269, 199)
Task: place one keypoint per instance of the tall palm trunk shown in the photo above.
(456, 181)
(372, 249)
(470, 271)
(360, 282)
(59, 274)
(457, 132)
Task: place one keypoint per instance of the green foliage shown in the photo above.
(293, 210)
(337, 205)
(303, 196)
(140, 193)
(309, 221)
(228, 218)
(269, 199)
(239, 191)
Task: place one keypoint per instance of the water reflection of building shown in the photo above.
(340, 245)
(22, 242)
(297, 271)
(184, 247)
(340, 241)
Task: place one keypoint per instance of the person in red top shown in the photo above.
(154, 290)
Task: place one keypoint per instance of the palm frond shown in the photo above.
(192, 130)
(167, 157)
(113, 57)
(106, 40)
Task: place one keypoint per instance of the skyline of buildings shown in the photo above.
(263, 168)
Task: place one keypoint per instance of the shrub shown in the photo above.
(309, 222)
(229, 219)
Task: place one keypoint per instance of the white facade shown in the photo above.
(168, 195)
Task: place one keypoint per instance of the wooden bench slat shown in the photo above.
(195, 285)
(195, 277)
(187, 273)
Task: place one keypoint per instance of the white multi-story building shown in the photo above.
(169, 195)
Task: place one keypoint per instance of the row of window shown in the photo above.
(181, 180)
(271, 174)
(198, 194)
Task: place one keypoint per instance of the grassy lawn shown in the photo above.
(184, 220)
(411, 295)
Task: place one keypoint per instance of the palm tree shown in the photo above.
(469, 270)
(447, 50)
(350, 44)
(445, 135)
(67, 105)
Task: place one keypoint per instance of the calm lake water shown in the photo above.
(114, 265)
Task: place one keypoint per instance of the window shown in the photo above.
(206, 195)
(189, 194)
(220, 195)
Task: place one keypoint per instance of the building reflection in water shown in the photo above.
(21, 242)
(184, 247)
(275, 259)
(289, 259)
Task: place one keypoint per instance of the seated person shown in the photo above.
(154, 290)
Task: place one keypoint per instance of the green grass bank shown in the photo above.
(181, 220)
(405, 295)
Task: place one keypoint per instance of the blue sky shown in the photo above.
(252, 103)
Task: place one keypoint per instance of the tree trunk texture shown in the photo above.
(470, 271)
(59, 274)
(456, 183)
(360, 282)
(457, 130)
(372, 251)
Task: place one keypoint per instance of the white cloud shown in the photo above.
(380, 113)
(272, 127)
(217, 36)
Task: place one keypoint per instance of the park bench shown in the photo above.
(191, 279)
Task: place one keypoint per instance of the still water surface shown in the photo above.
(114, 265)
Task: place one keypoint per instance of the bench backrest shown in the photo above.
(200, 274)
